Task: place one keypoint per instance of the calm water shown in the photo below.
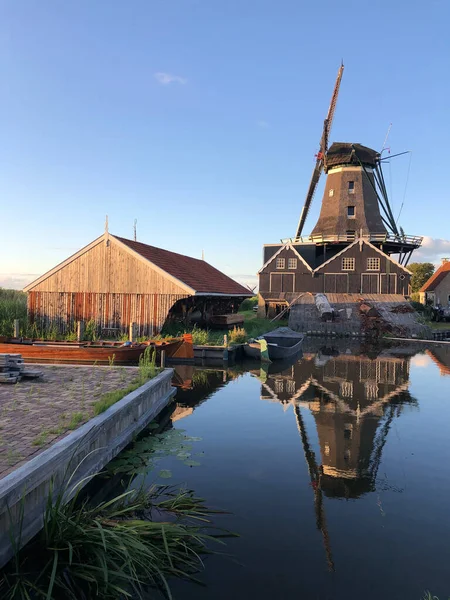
(336, 470)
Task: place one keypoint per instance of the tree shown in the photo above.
(421, 273)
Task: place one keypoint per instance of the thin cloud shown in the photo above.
(432, 250)
(16, 281)
(262, 124)
(167, 79)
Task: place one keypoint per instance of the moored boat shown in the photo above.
(99, 352)
(282, 343)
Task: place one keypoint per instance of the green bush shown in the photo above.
(249, 303)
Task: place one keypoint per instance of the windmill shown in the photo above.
(355, 202)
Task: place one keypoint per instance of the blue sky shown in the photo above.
(201, 118)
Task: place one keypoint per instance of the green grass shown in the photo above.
(252, 327)
(438, 325)
(110, 398)
(41, 439)
(75, 420)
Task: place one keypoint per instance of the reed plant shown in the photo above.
(13, 305)
(237, 335)
(115, 549)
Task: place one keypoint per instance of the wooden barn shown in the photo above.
(351, 248)
(114, 282)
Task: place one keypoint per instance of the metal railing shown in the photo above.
(379, 238)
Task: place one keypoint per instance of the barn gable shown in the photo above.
(286, 251)
(360, 243)
(108, 266)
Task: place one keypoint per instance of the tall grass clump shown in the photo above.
(237, 335)
(13, 305)
(115, 549)
(147, 365)
(147, 370)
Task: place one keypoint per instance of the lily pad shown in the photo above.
(165, 474)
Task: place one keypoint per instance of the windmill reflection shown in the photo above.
(353, 400)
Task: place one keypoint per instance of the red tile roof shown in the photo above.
(195, 273)
(436, 278)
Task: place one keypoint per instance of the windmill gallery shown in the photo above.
(350, 251)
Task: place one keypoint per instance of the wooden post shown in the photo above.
(80, 331)
(16, 328)
(133, 332)
(163, 359)
(225, 340)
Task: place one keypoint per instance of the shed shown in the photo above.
(437, 289)
(114, 281)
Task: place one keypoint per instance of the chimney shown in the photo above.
(444, 260)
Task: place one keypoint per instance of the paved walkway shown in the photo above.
(36, 413)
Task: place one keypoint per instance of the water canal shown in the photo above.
(335, 470)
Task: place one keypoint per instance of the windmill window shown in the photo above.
(292, 263)
(281, 263)
(327, 449)
(348, 431)
(348, 264)
(373, 264)
(351, 187)
(351, 234)
(351, 212)
(331, 193)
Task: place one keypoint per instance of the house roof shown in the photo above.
(436, 278)
(196, 273)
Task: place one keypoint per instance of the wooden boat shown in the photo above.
(100, 352)
(226, 321)
(282, 343)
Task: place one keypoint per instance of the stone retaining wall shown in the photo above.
(91, 446)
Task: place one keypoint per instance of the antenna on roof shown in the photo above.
(134, 230)
(106, 231)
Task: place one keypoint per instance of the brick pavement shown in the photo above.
(35, 413)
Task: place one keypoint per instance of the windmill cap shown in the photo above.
(346, 153)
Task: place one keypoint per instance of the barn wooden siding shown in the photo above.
(113, 311)
(109, 268)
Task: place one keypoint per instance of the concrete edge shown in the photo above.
(75, 437)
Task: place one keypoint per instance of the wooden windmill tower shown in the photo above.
(351, 246)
